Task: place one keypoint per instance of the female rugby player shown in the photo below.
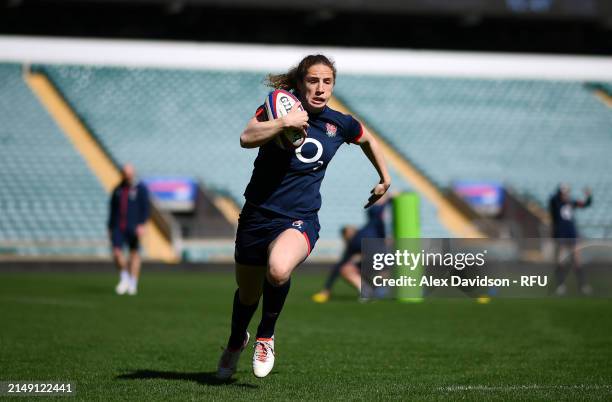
(278, 226)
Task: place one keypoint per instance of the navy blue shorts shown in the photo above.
(119, 238)
(566, 241)
(258, 227)
(354, 245)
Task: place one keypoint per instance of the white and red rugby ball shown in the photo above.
(278, 104)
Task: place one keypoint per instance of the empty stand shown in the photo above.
(529, 134)
(181, 122)
(49, 196)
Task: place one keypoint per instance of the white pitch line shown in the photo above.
(459, 388)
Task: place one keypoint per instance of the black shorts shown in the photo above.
(258, 227)
(119, 238)
(354, 245)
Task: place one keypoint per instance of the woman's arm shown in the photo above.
(587, 201)
(258, 132)
(371, 149)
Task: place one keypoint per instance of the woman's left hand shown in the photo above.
(377, 192)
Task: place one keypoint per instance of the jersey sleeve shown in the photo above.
(583, 203)
(353, 130)
(261, 114)
(112, 210)
(145, 204)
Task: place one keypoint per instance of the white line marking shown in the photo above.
(460, 388)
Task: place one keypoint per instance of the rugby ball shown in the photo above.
(278, 104)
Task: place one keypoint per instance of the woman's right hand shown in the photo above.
(296, 118)
(258, 132)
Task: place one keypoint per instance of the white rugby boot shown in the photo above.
(122, 287)
(132, 290)
(586, 290)
(132, 286)
(561, 290)
(124, 282)
(229, 360)
(263, 357)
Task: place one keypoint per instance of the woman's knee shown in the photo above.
(279, 272)
(286, 252)
(117, 253)
(346, 270)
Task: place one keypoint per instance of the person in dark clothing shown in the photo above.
(349, 265)
(129, 212)
(347, 232)
(279, 224)
(561, 207)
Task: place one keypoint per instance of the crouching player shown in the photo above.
(349, 266)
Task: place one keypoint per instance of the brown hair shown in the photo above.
(289, 80)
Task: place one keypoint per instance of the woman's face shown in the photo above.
(317, 87)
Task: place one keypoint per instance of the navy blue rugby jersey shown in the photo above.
(288, 181)
(375, 226)
(562, 213)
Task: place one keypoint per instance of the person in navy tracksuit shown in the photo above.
(129, 212)
(561, 207)
(278, 226)
(349, 265)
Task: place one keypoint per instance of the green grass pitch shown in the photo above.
(164, 343)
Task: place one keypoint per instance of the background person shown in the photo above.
(129, 211)
(349, 266)
(564, 231)
(347, 232)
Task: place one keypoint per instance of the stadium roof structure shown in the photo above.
(191, 55)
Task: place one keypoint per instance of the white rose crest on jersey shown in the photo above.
(330, 129)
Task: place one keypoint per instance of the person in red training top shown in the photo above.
(129, 211)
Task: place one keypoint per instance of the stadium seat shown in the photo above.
(49, 195)
(529, 134)
(180, 122)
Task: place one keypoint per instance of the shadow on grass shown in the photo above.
(202, 378)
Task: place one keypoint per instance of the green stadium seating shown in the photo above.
(181, 122)
(605, 86)
(50, 200)
(531, 135)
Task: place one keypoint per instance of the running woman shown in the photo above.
(278, 226)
